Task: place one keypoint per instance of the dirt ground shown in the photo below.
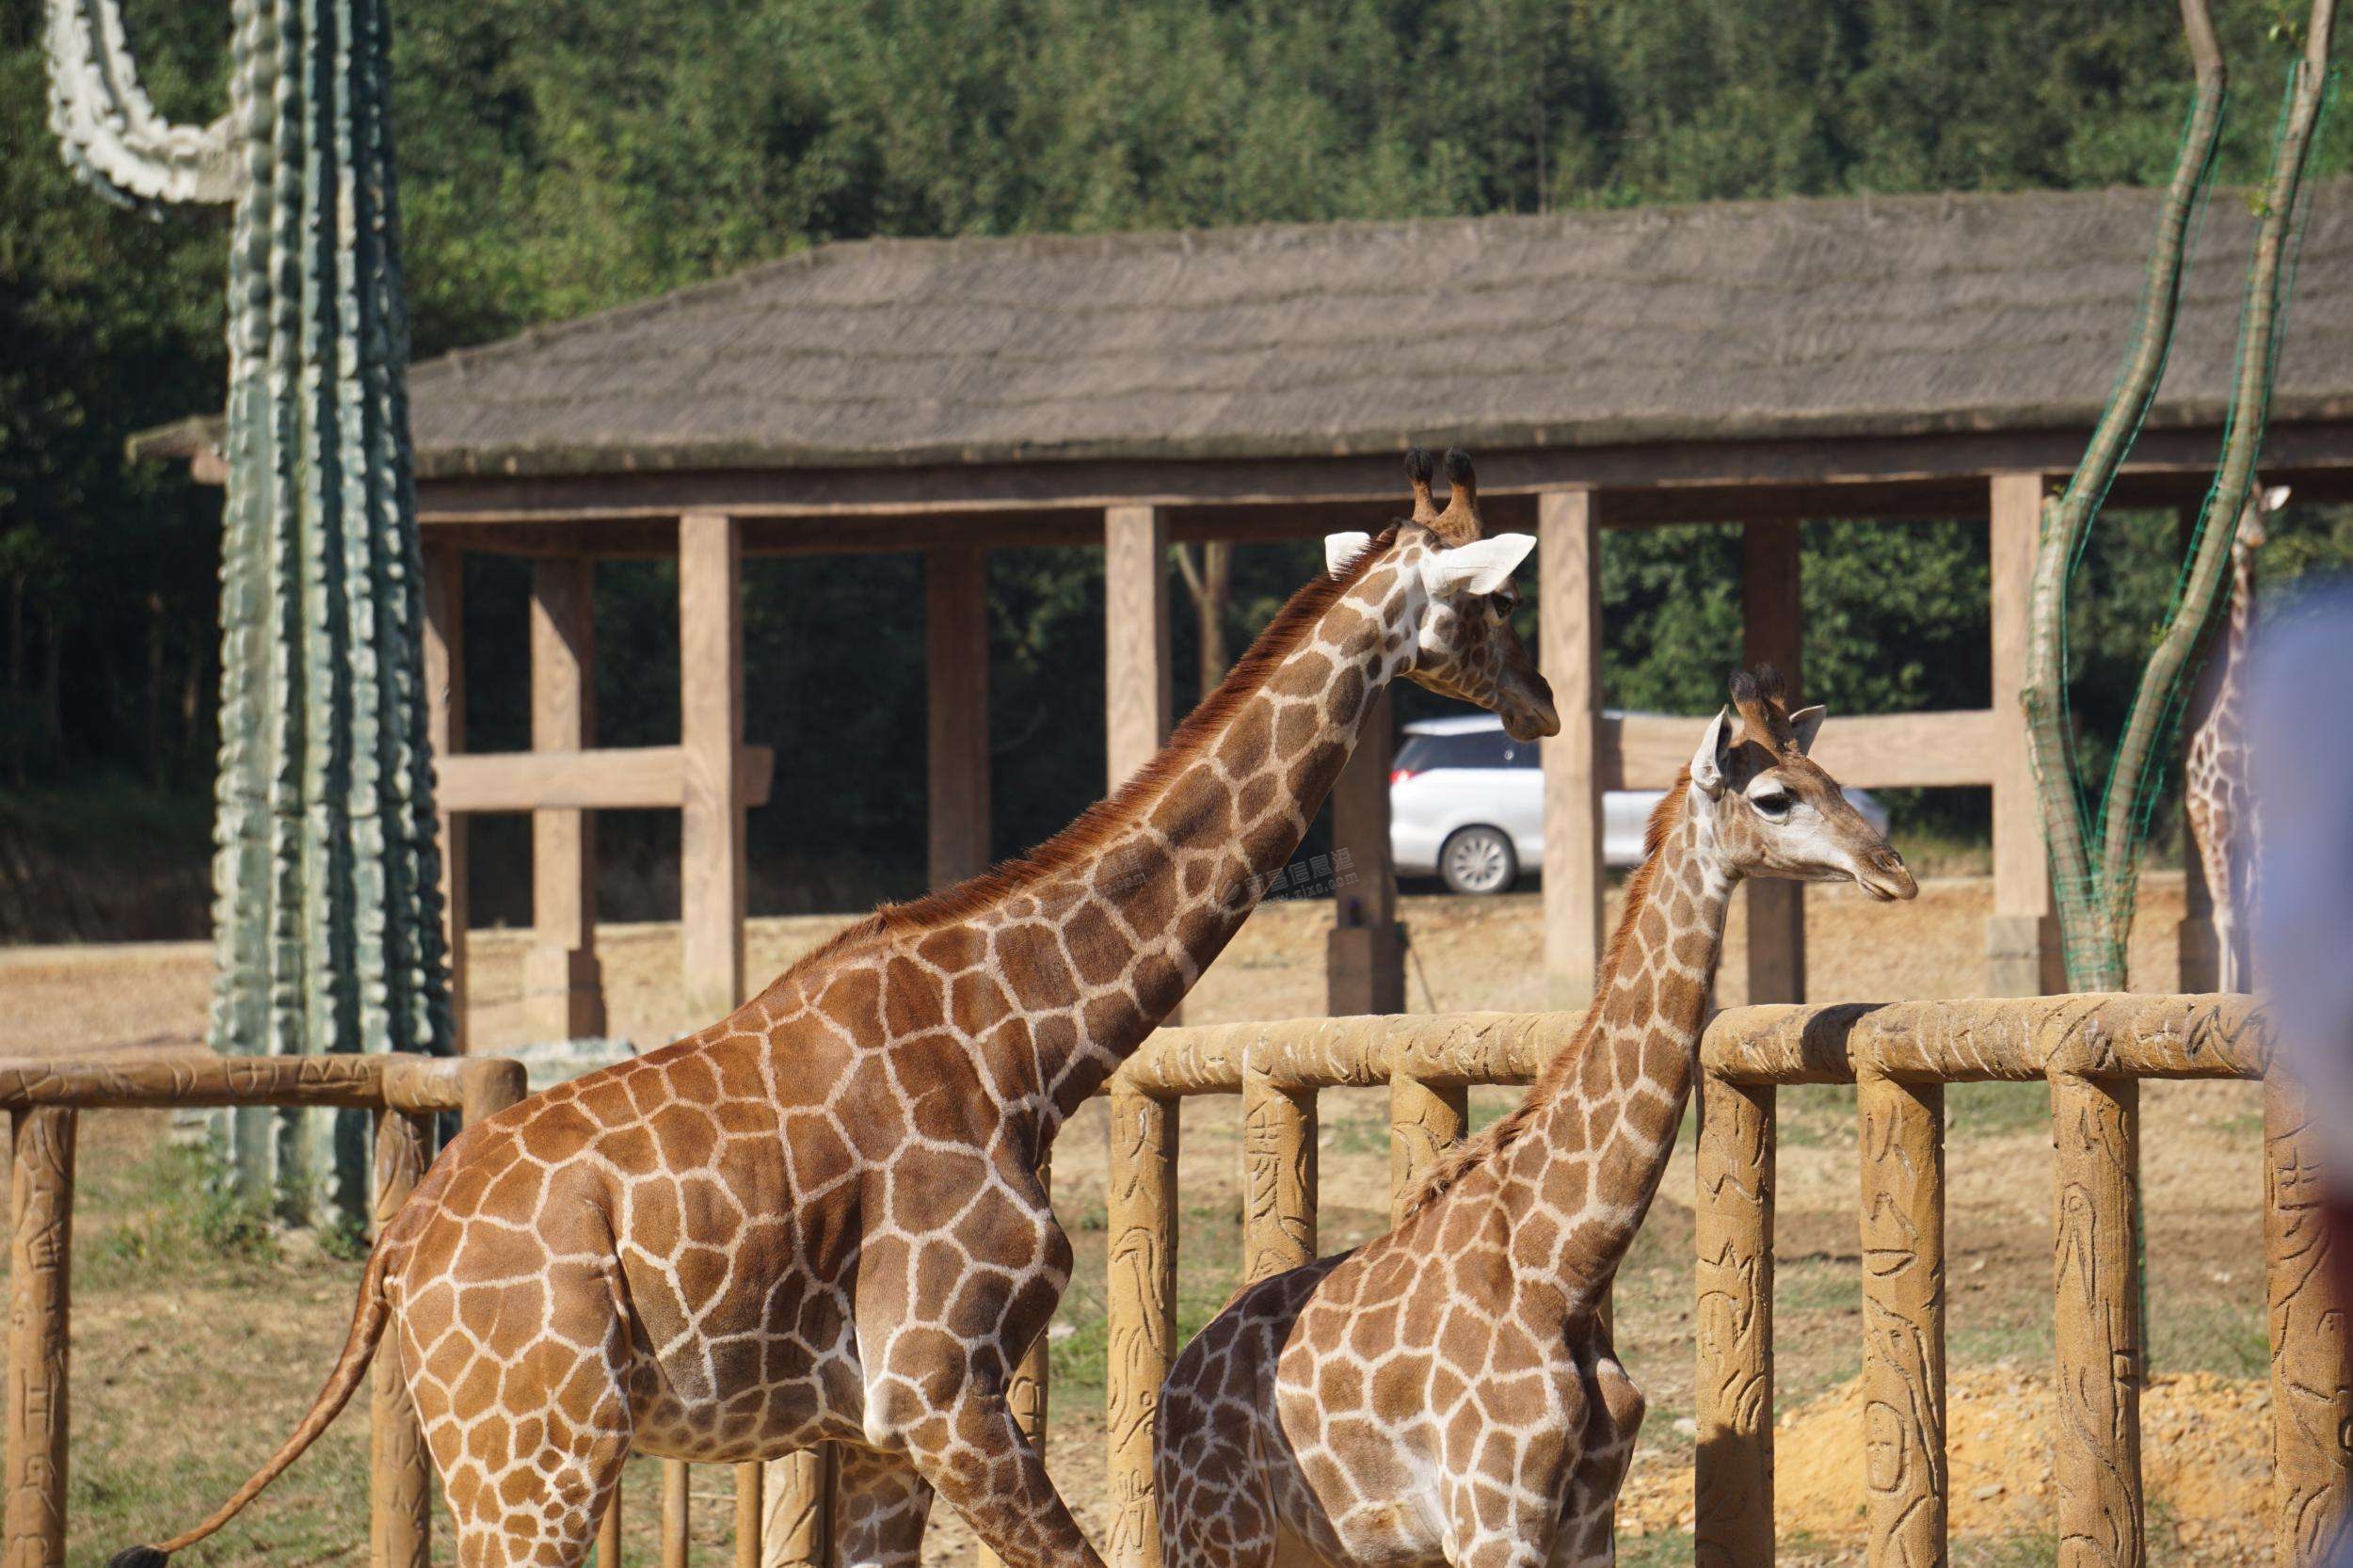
(170, 1335)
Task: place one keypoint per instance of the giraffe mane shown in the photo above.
(1101, 822)
(1468, 1154)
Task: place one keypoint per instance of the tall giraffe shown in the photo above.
(821, 1219)
(2215, 797)
(1448, 1393)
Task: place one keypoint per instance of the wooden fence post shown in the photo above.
(2311, 1406)
(41, 1271)
(2095, 1443)
(609, 1531)
(1425, 1120)
(1142, 1302)
(1278, 1152)
(1903, 1319)
(750, 1512)
(1733, 1231)
(400, 1487)
(796, 1527)
(674, 1513)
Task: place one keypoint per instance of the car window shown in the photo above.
(1482, 748)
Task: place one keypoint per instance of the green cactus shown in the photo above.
(326, 877)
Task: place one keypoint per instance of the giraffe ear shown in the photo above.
(1340, 549)
(1480, 566)
(1708, 764)
(1807, 723)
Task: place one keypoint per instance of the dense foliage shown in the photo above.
(560, 159)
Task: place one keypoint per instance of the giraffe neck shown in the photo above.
(1603, 1115)
(1091, 941)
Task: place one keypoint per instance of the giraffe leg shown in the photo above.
(988, 1472)
(880, 1506)
(528, 1432)
(1589, 1535)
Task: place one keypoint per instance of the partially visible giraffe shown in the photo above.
(821, 1219)
(1448, 1393)
(2220, 808)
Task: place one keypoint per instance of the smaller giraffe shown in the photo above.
(2221, 808)
(1448, 1393)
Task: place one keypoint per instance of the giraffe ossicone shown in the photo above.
(819, 1219)
(1448, 1393)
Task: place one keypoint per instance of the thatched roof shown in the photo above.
(1826, 318)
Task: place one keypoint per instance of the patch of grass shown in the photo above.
(1667, 1549)
(1814, 1115)
(168, 1214)
(2029, 1550)
(1996, 1110)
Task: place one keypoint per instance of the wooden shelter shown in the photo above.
(1758, 363)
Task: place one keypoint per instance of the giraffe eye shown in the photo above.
(1773, 803)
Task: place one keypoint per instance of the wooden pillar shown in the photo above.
(1364, 955)
(1141, 1299)
(1137, 700)
(445, 728)
(40, 1273)
(2197, 951)
(400, 1488)
(1425, 1120)
(1733, 1226)
(1905, 1483)
(563, 984)
(1773, 633)
(1568, 568)
(956, 634)
(2095, 1442)
(1278, 1155)
(2312, 1406)
(2022, 944)
(711, 723)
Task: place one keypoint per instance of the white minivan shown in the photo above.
(1466, 804)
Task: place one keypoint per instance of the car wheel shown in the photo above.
(1478, 860)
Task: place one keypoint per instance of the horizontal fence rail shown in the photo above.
(44, 1101)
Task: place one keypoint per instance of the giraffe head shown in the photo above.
(1775, 811)
(2252, 533)
(1459, 600)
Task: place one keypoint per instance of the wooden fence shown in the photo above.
(2091, 1050)
(45, 1100)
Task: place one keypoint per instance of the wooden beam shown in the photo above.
(1364, 956)
(445, 731)
(563, 985)
(612, 778)
(1874, 751)
(1568, 601)
(2307, 453)
(955, 602)
(1773, 633)
(712, 875)
(2023, 953)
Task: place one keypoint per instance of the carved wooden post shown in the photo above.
(40, 1269)
(2095, 1444)
(2311, 1406)
(1425, 1120)
(1734, 1390)
(1903, 1319)
(1142, 1301)
(797, 1529)
(1568, 570)
(1278, 1154)
(1026, 1394)
(750, 1513)
(673, 1516)
(400, 1488)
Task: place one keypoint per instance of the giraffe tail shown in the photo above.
(368, 1318)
